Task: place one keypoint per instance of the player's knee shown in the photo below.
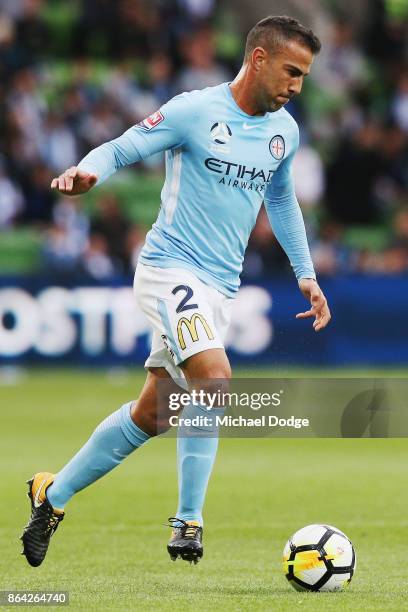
(214, 372)
(215, 381)
(214, 378)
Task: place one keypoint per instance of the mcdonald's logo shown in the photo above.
(191, 325)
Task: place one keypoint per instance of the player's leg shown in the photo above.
(151, 412)
(112, 441)
(208, 371)
(190, 319)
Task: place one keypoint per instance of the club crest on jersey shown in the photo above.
(277, 147)
(220, 134)
(152, 121)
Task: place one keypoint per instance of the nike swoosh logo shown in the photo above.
(37, 503)
(249, 127)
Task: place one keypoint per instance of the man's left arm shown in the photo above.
(287, 223)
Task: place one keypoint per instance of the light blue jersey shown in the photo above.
(221, 164)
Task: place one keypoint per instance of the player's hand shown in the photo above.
(74, 181)
(319, 308)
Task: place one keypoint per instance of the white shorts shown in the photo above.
(187, 315)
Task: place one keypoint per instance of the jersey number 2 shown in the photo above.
(183, 304)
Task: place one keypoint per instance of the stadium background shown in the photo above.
(74, 74)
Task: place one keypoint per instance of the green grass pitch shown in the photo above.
(110, 554)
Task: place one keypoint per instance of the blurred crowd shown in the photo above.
(74, 74)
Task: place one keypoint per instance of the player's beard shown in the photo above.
(268, 103)
(274, 106)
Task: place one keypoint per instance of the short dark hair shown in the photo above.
(272, 33)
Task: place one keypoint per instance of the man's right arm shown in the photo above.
(165, 129)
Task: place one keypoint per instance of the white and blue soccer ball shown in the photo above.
(319, 558)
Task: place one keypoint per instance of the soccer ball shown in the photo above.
(319, 558)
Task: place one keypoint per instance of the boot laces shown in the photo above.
(188, 531)
(52, 521)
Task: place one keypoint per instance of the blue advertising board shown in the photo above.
(43, 321)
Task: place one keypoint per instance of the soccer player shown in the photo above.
(228, 149)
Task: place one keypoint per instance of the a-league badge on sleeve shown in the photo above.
(152, 121)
